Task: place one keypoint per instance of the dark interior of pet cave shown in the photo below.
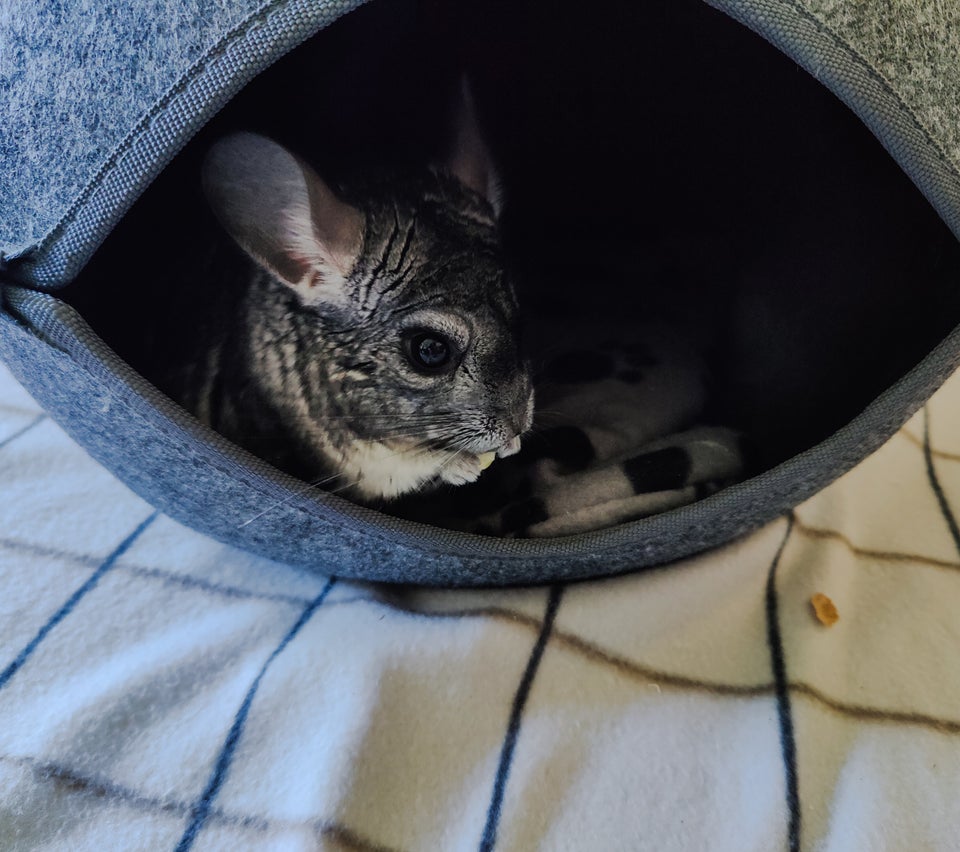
(717, 265)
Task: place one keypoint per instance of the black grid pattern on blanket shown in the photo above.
(159, 690)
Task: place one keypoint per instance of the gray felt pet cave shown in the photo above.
(840, 299)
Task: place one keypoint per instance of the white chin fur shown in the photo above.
(382, 472)
(377, 471)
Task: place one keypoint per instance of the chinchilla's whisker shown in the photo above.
(346, 485)
(307, 486)
(412, 418)
(555, 414)
(452, 458)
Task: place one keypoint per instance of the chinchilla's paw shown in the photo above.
(465, 468)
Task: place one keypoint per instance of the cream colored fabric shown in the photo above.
(159, 690)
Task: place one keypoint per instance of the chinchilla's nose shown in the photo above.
(511, 448)
(515, 410)
(521, 412)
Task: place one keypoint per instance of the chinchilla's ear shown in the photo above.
(469, 159)
(284, 216)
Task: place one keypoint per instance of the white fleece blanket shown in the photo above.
(161, 691)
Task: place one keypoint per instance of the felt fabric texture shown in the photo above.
(913, 46)
(78, 76)
(160, 690)
(97, 99)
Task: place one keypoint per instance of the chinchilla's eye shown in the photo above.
(429, 351)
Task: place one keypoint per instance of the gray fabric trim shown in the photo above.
(219, 73)
(197, 477)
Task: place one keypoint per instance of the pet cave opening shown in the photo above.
(659, 163)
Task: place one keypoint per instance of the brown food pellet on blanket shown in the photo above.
(824, 609)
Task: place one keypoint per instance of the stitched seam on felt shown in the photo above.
(875, 74)
(192, 73)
